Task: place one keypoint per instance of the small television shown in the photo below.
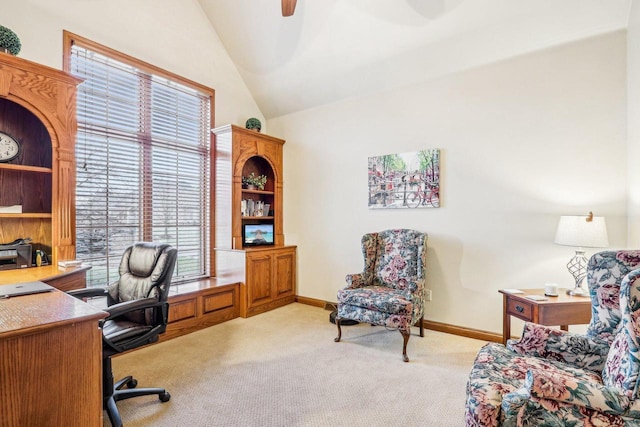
(257, 234)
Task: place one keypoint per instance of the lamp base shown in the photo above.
(577, 292)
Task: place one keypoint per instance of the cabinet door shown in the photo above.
(284, 278)
(259, 280)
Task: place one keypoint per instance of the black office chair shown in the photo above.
(138, 312)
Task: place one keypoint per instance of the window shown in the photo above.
(143, 153)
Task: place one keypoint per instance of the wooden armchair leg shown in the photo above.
(422, 326)
(405, 336)
(337, 339)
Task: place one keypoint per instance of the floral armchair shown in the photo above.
(556, 378)
(390, 290)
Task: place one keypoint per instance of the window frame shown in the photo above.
(70, 39)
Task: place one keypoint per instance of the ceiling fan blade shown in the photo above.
(288, 7)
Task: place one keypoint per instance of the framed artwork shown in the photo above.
(406, 180)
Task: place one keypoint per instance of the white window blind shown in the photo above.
(143, 172)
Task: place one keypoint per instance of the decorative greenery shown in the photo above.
(259, 181)
(253, 124)
(9, 40)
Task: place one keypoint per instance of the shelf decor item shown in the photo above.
(9, 41)
(255, 181)
(9, 147)
(253, 124)
(257, 234)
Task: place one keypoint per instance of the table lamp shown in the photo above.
(581, 232)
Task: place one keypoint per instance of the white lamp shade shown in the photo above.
(581, 232)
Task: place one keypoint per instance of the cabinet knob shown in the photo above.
(519, 308)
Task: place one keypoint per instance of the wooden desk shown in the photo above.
(562, 310)
(64, 279)
(50, 361)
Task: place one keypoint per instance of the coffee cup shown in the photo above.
(551, 289)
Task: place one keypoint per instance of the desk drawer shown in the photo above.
(521, 310)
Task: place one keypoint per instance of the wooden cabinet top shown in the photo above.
(33, 67)
(240, 131)
(561, 298)
(261, 248)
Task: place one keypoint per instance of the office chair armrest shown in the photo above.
(122, 308)
(88, 293)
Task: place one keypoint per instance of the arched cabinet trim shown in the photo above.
(252, 151)
(50, 96)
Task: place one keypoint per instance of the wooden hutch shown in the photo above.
(38, 109)
(267, 273)
(50, 343)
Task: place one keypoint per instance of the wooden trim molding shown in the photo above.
(429, 324)
(312, 301)
(5, 82)
(463, 331)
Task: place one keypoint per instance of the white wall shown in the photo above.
(633, 123)
(174, 35)
(523, 141)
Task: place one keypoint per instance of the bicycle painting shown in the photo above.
(406, 180)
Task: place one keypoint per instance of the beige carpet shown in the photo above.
(282, 368)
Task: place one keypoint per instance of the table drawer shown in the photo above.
(519, 309)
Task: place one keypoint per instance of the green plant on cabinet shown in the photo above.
(257, 181)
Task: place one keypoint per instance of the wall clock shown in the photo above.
(9, 147)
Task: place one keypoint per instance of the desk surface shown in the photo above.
(32, 274)
(38, 312)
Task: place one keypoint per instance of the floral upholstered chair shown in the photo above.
(556, 378)
(390, 290)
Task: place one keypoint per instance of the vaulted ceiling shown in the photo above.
(331, 50)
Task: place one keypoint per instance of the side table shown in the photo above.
(562, 310)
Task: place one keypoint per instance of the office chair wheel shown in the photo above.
(132, 383)
(164, 397)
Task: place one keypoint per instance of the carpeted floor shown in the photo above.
(282, 368)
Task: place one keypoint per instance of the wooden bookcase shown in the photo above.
(38, 108)
(267, 273)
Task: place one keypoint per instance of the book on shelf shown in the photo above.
(254, 208)
(537, 297)
(69, 263)
(11, 209)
